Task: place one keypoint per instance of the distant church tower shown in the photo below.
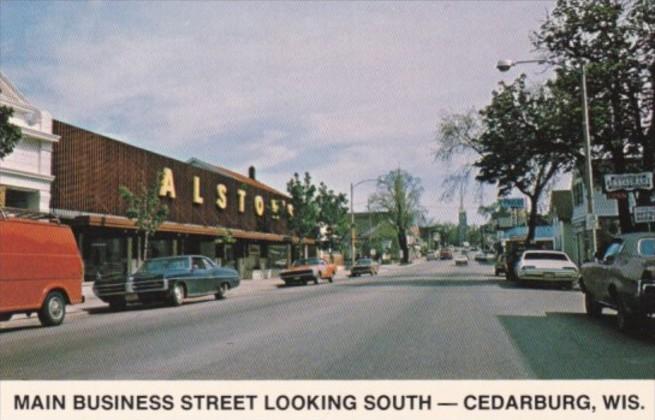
(462, 228)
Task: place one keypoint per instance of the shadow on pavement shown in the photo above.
(423, 282)
(19, 328)
(575, 346)
(146, 306)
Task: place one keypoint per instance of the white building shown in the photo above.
(25, 174)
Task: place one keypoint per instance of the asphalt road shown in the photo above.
(430, 320)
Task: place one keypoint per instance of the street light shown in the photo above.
(352, 218)
(505, 65)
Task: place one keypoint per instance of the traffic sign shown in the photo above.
(644, 214)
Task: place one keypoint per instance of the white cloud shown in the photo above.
(268, 83)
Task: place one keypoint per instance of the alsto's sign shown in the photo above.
(221, 200)
(629, 182)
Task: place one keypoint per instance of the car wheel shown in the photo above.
(117, 305)
(222, 290)
(177, 295)
(624, 320)
(593, 308)
(330, 279)
(316, 279)
(53, 310)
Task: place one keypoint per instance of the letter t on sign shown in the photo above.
(242, 200)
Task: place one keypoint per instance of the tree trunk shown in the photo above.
(532, 219)
(402, 242)
(145, 246)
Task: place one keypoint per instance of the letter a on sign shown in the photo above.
(167, 188)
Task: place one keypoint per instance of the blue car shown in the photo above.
(168, 279)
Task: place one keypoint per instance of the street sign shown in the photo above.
(644, 214)
(629, 182)
(512, 203)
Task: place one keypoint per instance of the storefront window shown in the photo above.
(104, 256)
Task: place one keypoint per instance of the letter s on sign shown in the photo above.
(221, 192)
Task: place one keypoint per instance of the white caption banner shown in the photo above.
(462, 400)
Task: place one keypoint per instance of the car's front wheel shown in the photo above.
(625, 320)
(222, 290)
(177, 295)
(593, 308)
(53, 310)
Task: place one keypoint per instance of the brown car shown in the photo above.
(623, 279)
(309, 269)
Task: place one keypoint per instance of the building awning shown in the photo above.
(115, 222)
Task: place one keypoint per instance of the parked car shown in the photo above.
(445, 254)
(623, 279)
(500, 267)
(168, 279)
(432, 255)
(304, 270)
(546, 266)
(364, 266)
(461, 260)
(40, 269)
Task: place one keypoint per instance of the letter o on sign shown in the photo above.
(259, 205)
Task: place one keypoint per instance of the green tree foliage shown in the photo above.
(9, 133)
(399, 195)
(523, 144)
(615, 40)
(333, 216)
(145, 209)
(316, 207)
(304, 223)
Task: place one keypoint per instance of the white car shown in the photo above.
(547, 266)
(461, 260)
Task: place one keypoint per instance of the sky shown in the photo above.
(344, 90)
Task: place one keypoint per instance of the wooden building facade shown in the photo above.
(232, 218)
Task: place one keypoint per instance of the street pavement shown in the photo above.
(428, 320)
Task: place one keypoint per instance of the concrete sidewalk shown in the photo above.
(246, 287)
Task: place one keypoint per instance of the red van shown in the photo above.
(40, 269)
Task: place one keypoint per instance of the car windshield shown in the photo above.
(545, 256)
(363, 261)
(162, 265)
(308, 261)
(647, 247)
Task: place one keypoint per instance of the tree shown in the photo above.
(399, 196)
(525, 142)
(615, 40)
(145, 209)
(304, 223)
(332, 215)
(9, 133)
(457, 137)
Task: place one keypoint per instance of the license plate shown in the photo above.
(131, 297)
(549, 276)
